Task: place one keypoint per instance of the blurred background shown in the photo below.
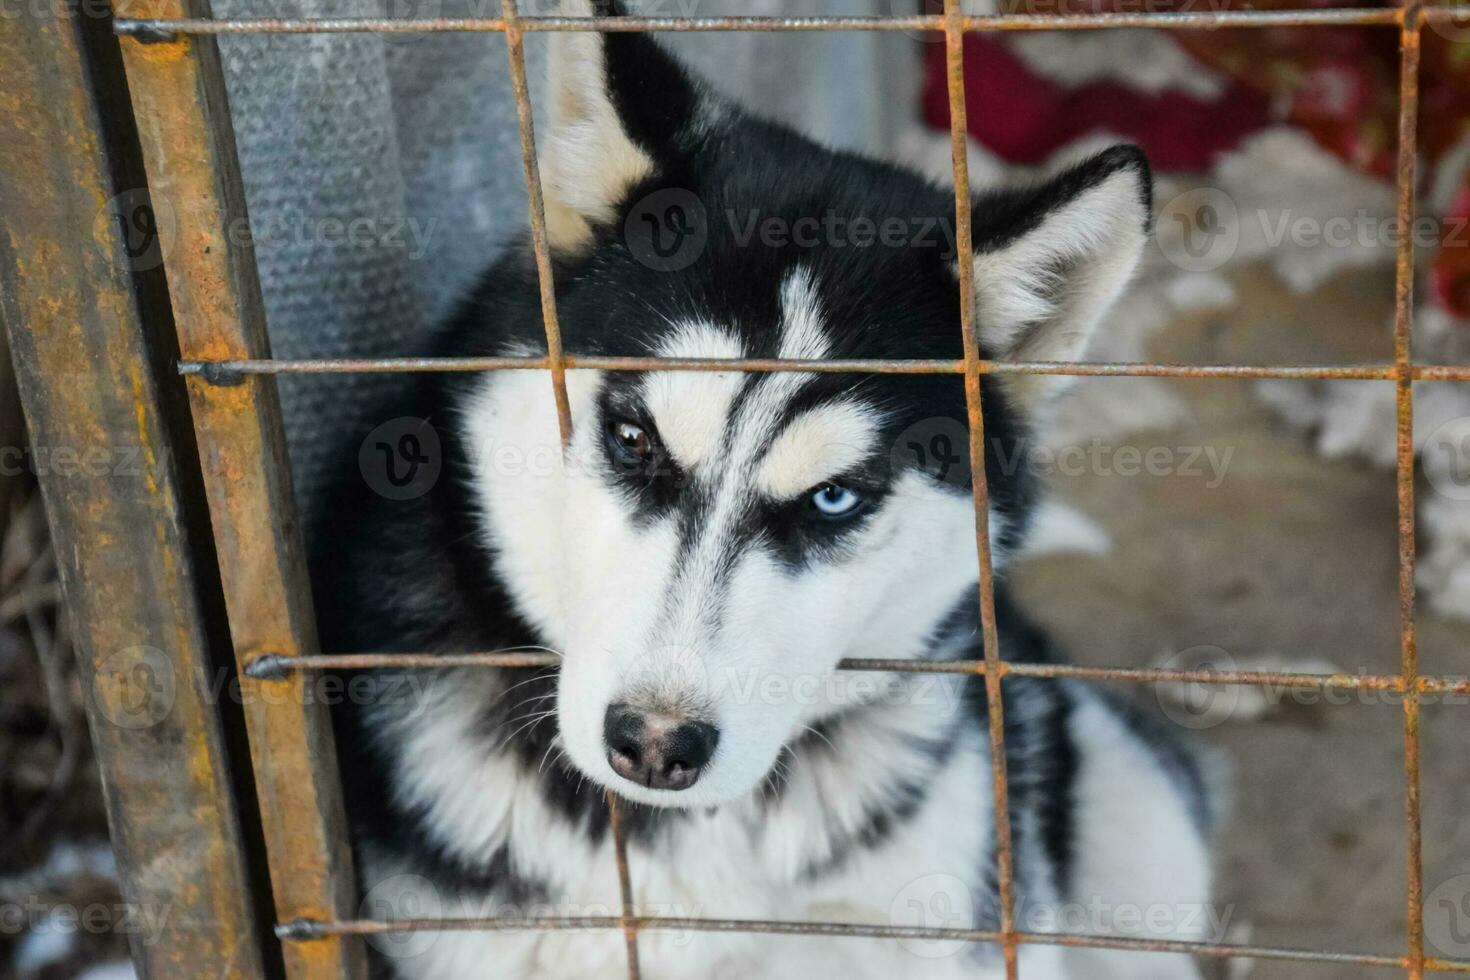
(1195, 523)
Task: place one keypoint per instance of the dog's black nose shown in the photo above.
(657, 751)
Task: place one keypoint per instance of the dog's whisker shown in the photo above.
(546, 755)
(520, 717)
(535, 719)
(821, 735)
(545, 674)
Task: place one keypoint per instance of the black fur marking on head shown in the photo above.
(652, 93)
(1001, 217)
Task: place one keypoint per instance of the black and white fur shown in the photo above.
(705, 587)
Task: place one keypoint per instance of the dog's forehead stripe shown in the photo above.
(729, 479)
(818, 445)
(761, 413)
(701, 416)
(692, 408)
(802, 332)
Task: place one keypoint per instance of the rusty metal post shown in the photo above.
(89, 334)
(178, 98)
(12, 425)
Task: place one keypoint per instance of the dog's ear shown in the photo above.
(1051, 259)
(619, 107)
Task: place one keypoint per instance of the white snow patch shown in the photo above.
(51, 941)
(1059, 528)
(1286, 189)
(119, 970)
(1239, 702)
(1149, 61)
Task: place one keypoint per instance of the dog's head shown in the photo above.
(715, 542)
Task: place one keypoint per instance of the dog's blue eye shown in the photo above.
(834, 501)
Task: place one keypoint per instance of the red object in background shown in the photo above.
(1024, 118)
(1451, 274)
(1337, 84)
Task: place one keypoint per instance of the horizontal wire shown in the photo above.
(305, 930)
(230, 371)
(159, 29)
(275, 667)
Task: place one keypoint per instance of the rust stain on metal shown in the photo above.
(625, 884)
(1404, 472)
(83, 345)
(308, 931)
(164, 27)
(515, 45)
(574, 362)
(274, 667)
(183, 121)
(1005, 870)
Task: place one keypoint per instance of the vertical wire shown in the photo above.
(625, 883)
(555, 358)
(954, 38)
(1404, 473)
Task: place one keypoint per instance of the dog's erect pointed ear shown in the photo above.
(1051, 259)
(620, 106)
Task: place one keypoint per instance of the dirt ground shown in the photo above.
(1290, 556)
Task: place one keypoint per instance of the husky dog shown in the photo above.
(708, 548)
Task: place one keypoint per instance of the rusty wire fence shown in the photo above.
(178, 101)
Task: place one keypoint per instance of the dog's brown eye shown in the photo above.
(631, 441)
